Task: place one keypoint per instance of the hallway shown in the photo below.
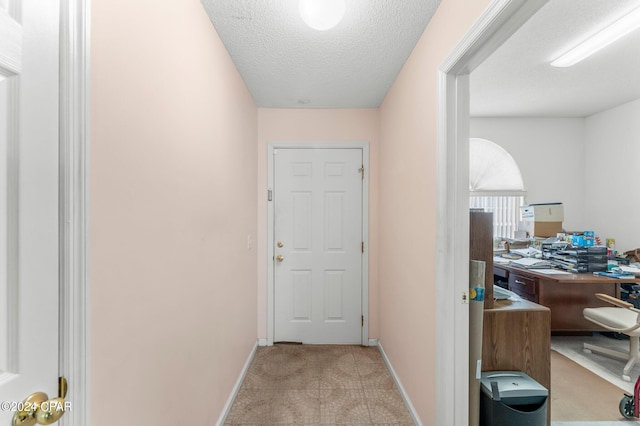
(318, 384)
(178, 221)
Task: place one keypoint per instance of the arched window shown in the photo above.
(495, 185)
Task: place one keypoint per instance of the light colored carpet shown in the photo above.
(318, 384)
(606, 367)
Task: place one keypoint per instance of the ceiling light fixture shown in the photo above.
(321, 14)
(608, 35)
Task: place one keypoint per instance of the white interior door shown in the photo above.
(318, 245)
(29, 84)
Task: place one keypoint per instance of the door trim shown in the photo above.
(74, 204)
(364, 338)
(499, 21)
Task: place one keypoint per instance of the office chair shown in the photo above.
(624, 318)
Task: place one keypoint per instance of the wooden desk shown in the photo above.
(516, 336)
(565, 294)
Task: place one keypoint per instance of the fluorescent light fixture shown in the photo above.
(321, 14)
(605, 37)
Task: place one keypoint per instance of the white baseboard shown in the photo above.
(263, 342)
(405, 397)
(236, 388)
(373, 342)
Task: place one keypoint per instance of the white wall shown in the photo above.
(612, 159)
(551, 156)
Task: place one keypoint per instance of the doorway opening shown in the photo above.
(499, 21)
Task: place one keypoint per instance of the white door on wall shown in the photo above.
(318, 245)
(29, 69)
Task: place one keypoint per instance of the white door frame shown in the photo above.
(74, 203)
(365, 228)
(498, 22)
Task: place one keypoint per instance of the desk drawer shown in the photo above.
(526, 287)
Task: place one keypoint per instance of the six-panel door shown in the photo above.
(318, 245)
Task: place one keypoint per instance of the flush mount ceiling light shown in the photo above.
(321, 14)
(613, 32)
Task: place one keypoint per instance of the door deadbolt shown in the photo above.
(280, 245)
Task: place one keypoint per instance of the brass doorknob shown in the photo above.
(37, 408)
(50, 411)
(279, 258)
(26, 415)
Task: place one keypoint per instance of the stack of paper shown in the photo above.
(530, 263)
(630, 270)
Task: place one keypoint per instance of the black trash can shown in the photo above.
(511, 398)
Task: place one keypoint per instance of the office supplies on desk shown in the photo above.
(531, 263)
(511, 256)
(552, 272)
(612, 274)
(630, 270)
(500, 293)
(581, 259)
(524, 252)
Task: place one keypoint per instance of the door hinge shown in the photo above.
(362, 172)
(362, 318)
(270, 194)
(362, 247)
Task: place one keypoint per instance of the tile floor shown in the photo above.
(318, 385)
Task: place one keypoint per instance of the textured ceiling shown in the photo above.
(517, 79)
(286, 64)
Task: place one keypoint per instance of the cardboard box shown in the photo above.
(543, 213)
(542, 220)
(542, 229)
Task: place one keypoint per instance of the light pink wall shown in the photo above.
(173, 200)
(408, 207)
(318, 125)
